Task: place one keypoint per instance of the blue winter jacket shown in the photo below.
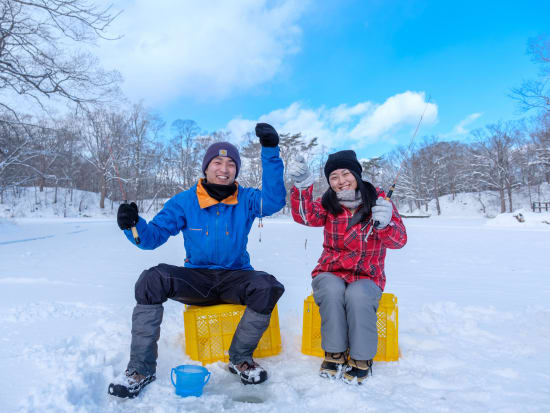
(216, 233)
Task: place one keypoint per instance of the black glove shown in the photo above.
(267, 134)
(127, 215)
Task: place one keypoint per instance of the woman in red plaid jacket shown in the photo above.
(359, 225)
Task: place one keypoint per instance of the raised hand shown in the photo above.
(267, 134)
(299, 172)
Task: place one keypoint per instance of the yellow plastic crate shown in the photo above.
(387, 323)
(209, 331)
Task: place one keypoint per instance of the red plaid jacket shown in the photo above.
(346, 253)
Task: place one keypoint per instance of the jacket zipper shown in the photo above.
(217, 246)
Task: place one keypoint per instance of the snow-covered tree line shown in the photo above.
(499, 158)
(121, 153)
(130, 153)
(127, 152)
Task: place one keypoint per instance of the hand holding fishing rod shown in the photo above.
(127, 218)
(380, 210)
(382, 213)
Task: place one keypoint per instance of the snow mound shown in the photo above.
(521, 218)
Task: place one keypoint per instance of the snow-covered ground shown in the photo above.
(474, 321)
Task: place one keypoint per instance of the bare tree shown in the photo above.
(540, 138)
(104, 133)
(535, 93)
(39, 58)
(457, 168)
(70, 151)
(411, 185)
(372, 169)
(492, 161)
(16, 155)
(251, 170)
(44, 144)
(139, 157)
(185, 132)
(433, 156)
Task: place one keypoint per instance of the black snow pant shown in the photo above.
(257, 290)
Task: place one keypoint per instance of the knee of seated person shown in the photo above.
(332, 288)
(363, 293)
(273, 289)
(268, 282)
(148, 288)
(265, 296)
(275, 284)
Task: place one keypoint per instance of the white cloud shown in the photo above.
(292, 119)
(240, 127)
(202, 49)
(460, 128)
(343, 113)
(357, 125)
(398, 110)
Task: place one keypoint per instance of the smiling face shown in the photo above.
(221, 170)
(342, 179)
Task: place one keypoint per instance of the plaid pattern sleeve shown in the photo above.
(394, 235)
(305, 210)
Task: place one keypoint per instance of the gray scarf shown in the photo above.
(349, 198)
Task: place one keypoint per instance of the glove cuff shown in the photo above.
(305, 183)
(269, 142)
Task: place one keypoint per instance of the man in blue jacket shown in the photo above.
(215, 217)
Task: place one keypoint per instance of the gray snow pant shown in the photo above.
(348, 315)
(257, 290)
(146, 321)
(247, 336)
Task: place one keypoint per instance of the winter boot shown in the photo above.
(357, 371)
(129, 384)
(249, 373)
(332, 365)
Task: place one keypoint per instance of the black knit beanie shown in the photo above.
(343, 160)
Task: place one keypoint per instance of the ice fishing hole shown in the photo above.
(248, 398)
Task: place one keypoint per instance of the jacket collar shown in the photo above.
(206, 200)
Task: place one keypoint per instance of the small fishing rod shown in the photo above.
(392, 187)
(123, 192)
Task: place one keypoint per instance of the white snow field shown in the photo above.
(474, 321)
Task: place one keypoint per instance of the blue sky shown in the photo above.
(356, 74)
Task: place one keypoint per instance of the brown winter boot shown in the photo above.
(332, 365)
(357, 370)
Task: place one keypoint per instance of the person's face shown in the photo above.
(342, 179)
(221, 170)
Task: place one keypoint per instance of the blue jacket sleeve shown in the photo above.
(272, 197)
(169, 221)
